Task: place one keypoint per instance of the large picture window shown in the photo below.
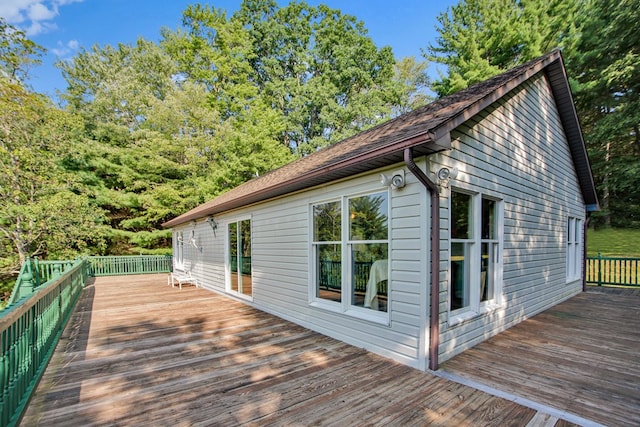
(574, 248)
(350, 248)
(475, 251)
(239, 240)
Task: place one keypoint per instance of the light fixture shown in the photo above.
(446, 173)
(396, 181)
(214, 225)
(192, 236)
(192, 239)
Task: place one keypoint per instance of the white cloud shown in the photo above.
(12, 10)
(33, 16)
(39, 12)
(61, 50)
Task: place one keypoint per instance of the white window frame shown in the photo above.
(314, 299)
(178, 250)
(473, 249)
(346, 305)
(228, 284)
(575, 241)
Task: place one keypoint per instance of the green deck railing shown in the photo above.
(620, 271)
(34, 273)
(125, 265)
(43, 299)
(330, 276)
(29, 332)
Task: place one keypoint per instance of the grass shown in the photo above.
(614, 242)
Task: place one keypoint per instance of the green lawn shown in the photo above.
(614, 242)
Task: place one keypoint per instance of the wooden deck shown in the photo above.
(581, 356)
(138, 352)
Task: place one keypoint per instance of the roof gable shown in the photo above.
(425, 129)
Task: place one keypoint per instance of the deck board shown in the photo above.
(581, 356)
(138, 352)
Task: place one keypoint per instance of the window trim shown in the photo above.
(476, 307)
(227, 257)
(345, 306)
(178, 250)
(574, 248)
(314, 299)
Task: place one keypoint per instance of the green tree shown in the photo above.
(320, 70)
(44, 210)
(413, 82)
(215, 52)
(481, 38)
(17, 52)
(169, 126)
(117, 85)
(605, 69)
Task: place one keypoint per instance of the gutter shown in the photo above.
(434, 235)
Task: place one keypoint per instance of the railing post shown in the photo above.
(56, 271)
(36, 271)
(27, 282)
(600, 265)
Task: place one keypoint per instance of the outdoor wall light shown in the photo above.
(192, 239)
(214, 225)
(446, 173)
(192, 236)
(395, 181)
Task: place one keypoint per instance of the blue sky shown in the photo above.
(65, 26)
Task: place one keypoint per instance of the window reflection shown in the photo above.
(327, 236)
(369, 236)
(460, 215)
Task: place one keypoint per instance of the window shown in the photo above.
(369, 250)
(327, 248)
(574, 248)
(461, 247)
(239, 240)
(350, 251)
(179, 249)
(475, 251)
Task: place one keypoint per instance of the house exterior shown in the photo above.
(418, 238)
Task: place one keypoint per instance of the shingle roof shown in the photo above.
(425, 129)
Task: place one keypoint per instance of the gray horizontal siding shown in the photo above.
(516, 151)
(280, 266)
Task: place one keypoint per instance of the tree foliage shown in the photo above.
(315, 66)
(45, 210)
(17, 52)
(605, 70)
(481, 38)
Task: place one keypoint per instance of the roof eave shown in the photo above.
(388, 155)
(553, 66)
(559, 82)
